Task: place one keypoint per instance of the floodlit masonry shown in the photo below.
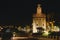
(39, 19)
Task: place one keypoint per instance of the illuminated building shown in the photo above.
(27, 28)
(39, 19)
(19, 28)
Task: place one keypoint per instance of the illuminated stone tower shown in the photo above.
(39, 19)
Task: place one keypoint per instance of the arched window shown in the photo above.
(43, 24)
(36, 24)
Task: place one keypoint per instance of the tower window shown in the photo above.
(43, 24)
(36, 24)
(40, 19)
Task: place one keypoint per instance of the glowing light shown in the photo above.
(14, 34)
(46, 33)
(56, 29)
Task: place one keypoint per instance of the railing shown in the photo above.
(40, 38)
(50, 38)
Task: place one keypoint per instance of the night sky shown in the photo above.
(19, 12)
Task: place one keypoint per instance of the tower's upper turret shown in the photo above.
(39, 9)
